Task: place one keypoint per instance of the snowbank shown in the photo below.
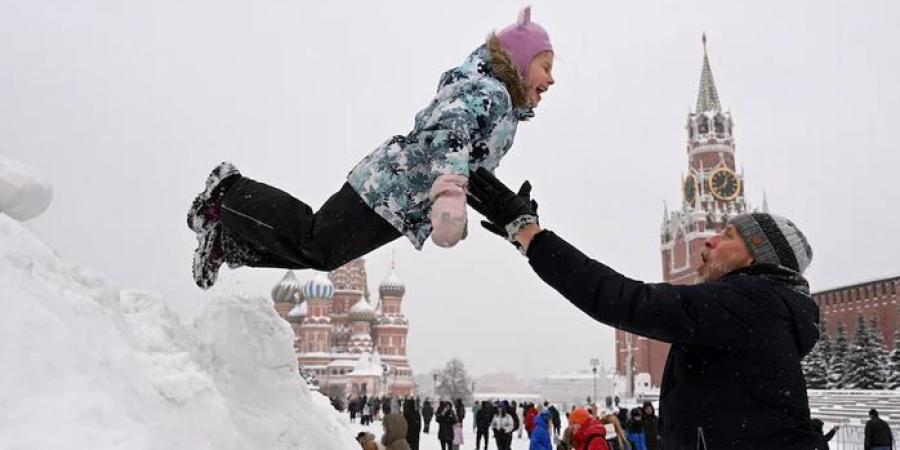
(24, 194)
(89, 366)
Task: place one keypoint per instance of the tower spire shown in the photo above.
(707, 97)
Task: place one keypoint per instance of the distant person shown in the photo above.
(458, 440)
(503, 428)
(413, 423)
(366, 441)
(460, 409)
(427, 414)
(733, 377)
(540, 434)
(587, 432)
(635, 430)
(366, 414)
(616, 437)
(476, 406)
(530, 414)
(445, 418)
(483, 424)
(394, 437)
(819, 426)
(878, 434)
(555, 420)
(651, 426)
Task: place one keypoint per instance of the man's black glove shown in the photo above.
(525, 193)
(507, 211)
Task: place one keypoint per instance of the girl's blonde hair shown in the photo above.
(504, 70)
(620, 434)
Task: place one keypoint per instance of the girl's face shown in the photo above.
(540, 77)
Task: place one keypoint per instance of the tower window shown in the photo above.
(719, 124)
(703, 125)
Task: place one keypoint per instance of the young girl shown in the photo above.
(457, 434)
(412, 185)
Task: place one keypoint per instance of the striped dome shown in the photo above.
(287, 290)
(392, 285)
(319, 287)
(362, 311)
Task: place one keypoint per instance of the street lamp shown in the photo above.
(434, 377)
(594, 363)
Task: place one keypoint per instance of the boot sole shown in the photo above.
(195, 220)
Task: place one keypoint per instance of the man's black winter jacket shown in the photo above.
(733, 378)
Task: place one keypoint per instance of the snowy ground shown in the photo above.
(87, 365)
(430, 441)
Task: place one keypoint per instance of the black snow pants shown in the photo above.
(287, 234)
(481, 433)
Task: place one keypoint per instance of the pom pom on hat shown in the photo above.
(524, 40)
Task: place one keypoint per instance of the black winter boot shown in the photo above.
(206, 209)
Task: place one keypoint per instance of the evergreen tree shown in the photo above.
(838, 359)
(863, 371)
(893, 378)
(454, 382)
(815, 364)
(881, 357)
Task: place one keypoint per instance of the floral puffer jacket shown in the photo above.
(470, 123)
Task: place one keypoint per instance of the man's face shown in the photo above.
(723, 253)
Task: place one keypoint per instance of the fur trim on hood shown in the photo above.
(503, 69)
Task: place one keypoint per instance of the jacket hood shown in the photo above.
(491, 60)
(394, 428)
(803, 310)
(591, 427)
(540, 420)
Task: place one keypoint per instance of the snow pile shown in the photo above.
(24, 194)
(87, 366)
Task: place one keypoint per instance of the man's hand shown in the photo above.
(507, 211)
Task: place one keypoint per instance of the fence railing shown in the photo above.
(852, 437)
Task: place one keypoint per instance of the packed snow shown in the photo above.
(24, 194)
(91, 366)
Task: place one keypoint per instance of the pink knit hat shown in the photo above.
(524, 40)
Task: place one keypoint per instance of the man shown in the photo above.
(878, 433)
(732, 379)
(476, 406)
(483, 420)
(554, 419)
(427, 413)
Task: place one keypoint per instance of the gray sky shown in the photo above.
(126, 106)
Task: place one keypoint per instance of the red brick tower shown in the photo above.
(712, 191)
(390, 332)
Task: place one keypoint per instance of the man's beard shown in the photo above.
(715, 270)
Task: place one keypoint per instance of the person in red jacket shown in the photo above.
(587, 432)
(530, 413)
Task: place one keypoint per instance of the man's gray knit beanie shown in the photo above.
(773, 239)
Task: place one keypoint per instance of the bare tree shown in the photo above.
(454, 382)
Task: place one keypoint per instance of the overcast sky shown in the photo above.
(125, 106)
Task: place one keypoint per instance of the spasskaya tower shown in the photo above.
(712, 190)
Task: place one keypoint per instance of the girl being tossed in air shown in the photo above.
(412, 185)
